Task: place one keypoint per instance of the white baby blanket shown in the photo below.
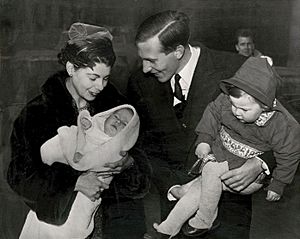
(80, 222)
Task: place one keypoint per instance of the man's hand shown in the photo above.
(89, 184)
(121, 164)
(239, 178)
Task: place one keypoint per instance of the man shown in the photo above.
(245, 45)
(168, 122)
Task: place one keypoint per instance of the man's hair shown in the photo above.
(171, 27)
(244, 32)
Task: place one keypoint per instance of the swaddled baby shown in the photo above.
(106, 132)
(93, 132)
(94, 142)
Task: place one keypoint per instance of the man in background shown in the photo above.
(245, 45)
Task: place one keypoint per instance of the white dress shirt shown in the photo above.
(186, 73)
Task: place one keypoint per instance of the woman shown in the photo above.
(49, 191)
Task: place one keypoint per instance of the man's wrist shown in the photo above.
(264, 167)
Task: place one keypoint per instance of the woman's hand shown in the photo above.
(122, 164)
(240, 178)
(272, 196)
(89, 184)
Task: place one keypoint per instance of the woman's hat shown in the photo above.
(83, 31)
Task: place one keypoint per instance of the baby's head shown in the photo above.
(117, 121)
(244, 107)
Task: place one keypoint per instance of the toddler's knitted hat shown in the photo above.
(257, 78)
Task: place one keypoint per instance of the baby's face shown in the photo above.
(245, 108)
(117, 121)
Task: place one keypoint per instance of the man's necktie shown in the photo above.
(179, 108)
(178, 91)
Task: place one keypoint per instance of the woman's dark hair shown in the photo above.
(88, 52)
(172, 28)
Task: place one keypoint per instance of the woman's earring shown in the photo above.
(70, 75)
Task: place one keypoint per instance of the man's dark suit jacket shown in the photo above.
(169, 142)
(167, 138)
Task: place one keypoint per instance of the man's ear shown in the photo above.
(70, 68)
(179, 52)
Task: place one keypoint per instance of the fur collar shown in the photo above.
(55, 89)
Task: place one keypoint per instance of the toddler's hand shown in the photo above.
(202, 150)
(272, 196)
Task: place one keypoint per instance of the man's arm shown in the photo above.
(239, 178)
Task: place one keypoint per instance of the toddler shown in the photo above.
(242, 123)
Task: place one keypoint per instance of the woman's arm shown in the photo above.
(48, 190)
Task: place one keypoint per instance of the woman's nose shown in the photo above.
(99, 84)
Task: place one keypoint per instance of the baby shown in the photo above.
(242, 123)
(90, 134)
(94, 142)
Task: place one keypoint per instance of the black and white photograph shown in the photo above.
(149, 119)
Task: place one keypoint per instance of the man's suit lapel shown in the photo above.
(203, 89)
(161, 98)
(167, 99)
(194, 106)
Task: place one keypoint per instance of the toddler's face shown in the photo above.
(117, 121)
(245, 108)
